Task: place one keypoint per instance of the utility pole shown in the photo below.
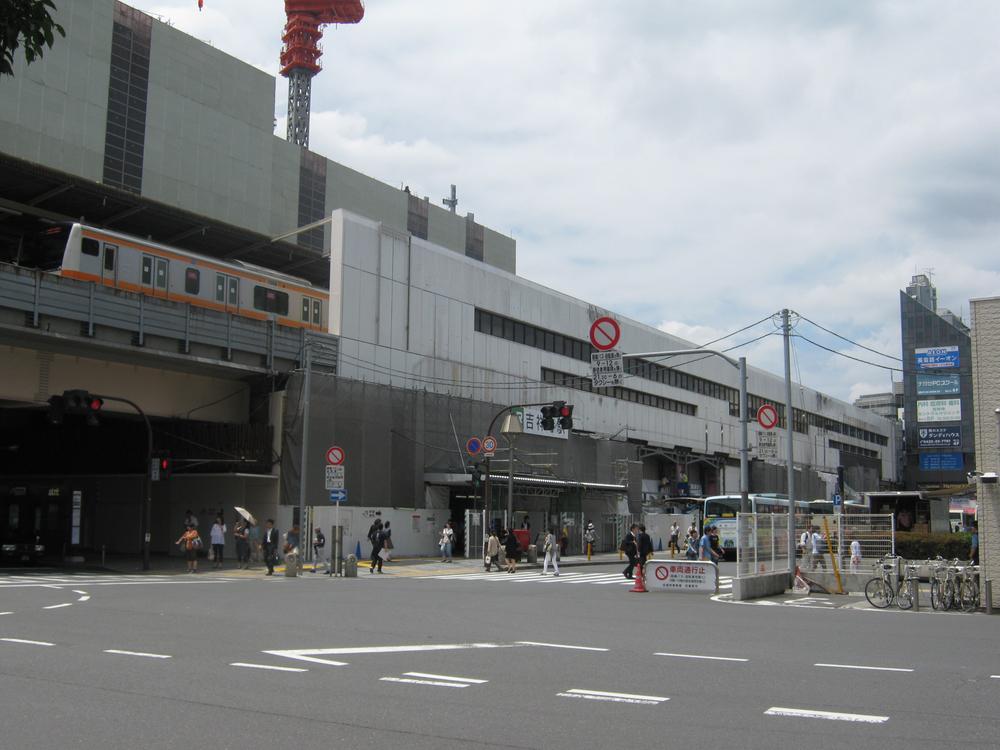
(786, 331)
(304, 462)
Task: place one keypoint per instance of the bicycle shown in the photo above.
(968, 595)
(941, 586)
(880, 591)
(906, 594)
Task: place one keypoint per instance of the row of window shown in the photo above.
(227, 288)
(568, 380)
(853, 449)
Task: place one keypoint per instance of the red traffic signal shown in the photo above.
(95, 403)
(566, 416)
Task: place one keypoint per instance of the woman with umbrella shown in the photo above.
(247, 536)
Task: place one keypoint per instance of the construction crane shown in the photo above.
(301, 52)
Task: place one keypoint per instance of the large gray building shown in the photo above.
(139, 128)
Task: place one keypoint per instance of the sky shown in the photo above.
(696, 165)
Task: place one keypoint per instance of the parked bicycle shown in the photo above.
(880, 591)
(955, 586)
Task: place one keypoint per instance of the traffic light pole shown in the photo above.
(147, 511)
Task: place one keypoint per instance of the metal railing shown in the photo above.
(762, 544)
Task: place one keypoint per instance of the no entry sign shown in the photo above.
(335, 455)
(767, 416)
(605, 333)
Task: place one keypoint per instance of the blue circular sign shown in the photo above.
(473, 446)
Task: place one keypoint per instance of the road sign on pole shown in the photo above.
(767, 445)
(489, 447)
(605, 333)
(338, 496)
(473, 445)
(767, 416)
(335, 455)
(335, 477)
(607, 368)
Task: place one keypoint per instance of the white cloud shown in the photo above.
(703, 164)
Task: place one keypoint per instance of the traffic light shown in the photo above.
(566, 416)
(161, 466)
(477, 474)
(75, 402)
(551, 413)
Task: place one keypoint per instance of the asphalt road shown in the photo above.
(450, 663)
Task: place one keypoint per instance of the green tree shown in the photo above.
(28, 24)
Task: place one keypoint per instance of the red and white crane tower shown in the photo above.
(301, 52)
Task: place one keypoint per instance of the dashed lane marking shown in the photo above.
(137, 653)
(697, 656)
(59, 606)
(267, 666)
(27, 642)
(559, 645)
(860, 666)
(414, 681)
(806, 713)
(6, 613)
(470, 680)
(601, 695)
(317, 654)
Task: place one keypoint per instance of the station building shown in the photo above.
(129, 125)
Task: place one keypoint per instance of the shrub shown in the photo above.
(914, 546)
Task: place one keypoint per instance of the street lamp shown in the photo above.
(510, 429)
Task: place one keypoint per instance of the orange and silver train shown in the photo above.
(145, 267)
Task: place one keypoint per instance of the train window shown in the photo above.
(234, 292)
(161, 273)
(270, 300)
(90, 247)
(109, 257)
(317, 313)
(192, 280)
(220, 287)
(147, 269)
(305, 309)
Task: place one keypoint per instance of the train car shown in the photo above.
(145, 267)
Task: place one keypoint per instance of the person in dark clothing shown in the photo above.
(644, 547)
(512, 549)
(269, 544)
(628, 547)
(378, 542)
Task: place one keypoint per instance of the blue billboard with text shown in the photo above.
(942, 461)
(936, 357)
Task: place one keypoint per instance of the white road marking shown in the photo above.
(30, 643)
(559, 645)
(137, 653)
(84, 598)
(315, 654)
(267, 666)
(413, 681)
(601, 695)
(801, 713)
(859, 666)
(992, 676)
(696, 656)
(79, 592)
(59, 606)
(470, 680)
(6, 613)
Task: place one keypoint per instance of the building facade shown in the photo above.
(985, 318)
(937, 391)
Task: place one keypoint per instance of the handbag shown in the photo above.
(383, 553)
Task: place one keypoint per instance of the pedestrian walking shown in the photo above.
(675, 532)
(218, 537)
(512, 549)
(691, 545)
(378, 543)
(816, 549)
(855, 556)
(551, 548)
(628, 547)
(242, 539)
(974, 545)
(319, 542)
(805, 547)
(644, 548)
(705, 550)
(387, 545)
(492, 551)
(269, 544)
(447, 542)
(190, 543)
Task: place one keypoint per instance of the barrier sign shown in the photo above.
(936, 357)
(692, 576)
(607, 368)
(938, 385)
(939, 437)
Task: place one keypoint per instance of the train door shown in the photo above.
(227, 291)
(161, 276)
(109, 265)
(146, 277)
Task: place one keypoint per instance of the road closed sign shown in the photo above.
(691, 576)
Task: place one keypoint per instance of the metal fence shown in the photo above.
(762, 541)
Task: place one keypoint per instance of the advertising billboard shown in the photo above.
(939, 437)
(939, 410)
(941, 461)
(938, 385)
(936, 357)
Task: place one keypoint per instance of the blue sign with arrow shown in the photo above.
(338, 496)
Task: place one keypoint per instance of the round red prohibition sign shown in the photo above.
(605, 333)
(662, 572)
(767, 416)
(335, 455)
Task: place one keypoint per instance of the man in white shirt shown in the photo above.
(855, 556)
(817, 550)
(805, 545)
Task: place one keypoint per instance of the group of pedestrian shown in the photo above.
(507, 541)
(380, 536)
(638, 547)
(252, 543)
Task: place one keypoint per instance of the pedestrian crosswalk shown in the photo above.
(60, 579)
(533, 576)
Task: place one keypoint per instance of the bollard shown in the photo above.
(640, 586)
(988, 595)
(351, 567)
(291, 565)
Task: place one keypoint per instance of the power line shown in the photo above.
(848, 356)
(849, 341)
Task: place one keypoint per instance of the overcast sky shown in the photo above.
(694, 165)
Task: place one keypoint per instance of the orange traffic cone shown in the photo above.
(640, 586)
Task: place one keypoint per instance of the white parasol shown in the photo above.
(247, 515)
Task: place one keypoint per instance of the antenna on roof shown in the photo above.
(451, 202)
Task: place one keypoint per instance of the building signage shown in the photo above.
(936, 357)
(939, 410)
(942, 461)
(607, 368)
(938, 385)
(531, 422)
(939, 437)
(678, 575)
